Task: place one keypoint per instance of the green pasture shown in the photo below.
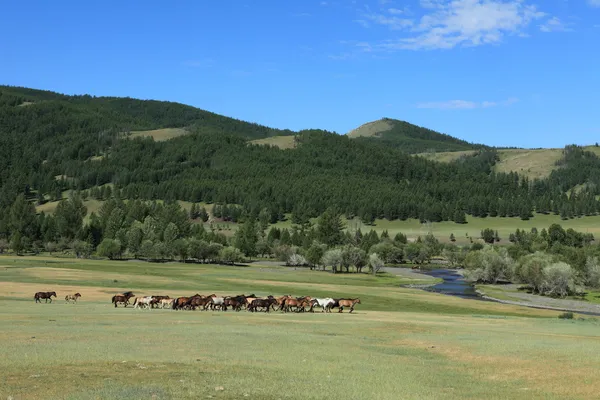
(442, 230)
(399, 344)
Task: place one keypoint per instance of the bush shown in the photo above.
(558, 280)
(566, 315)
(375, 263)
(530, 269)
(332, 258)
(489, 265)
(109, 248)
(296, 260)
(230, 255)
(592, 272)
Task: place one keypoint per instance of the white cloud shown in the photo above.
(445, 24)
(466, 105)
(554, 24)
(391, 22)
(396, 11)
(594, 3)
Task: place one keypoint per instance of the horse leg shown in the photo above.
(341, 308)
(351, 309)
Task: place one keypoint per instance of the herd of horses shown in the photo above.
(250, 303)
(213, 302)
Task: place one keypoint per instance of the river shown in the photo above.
(454, 284)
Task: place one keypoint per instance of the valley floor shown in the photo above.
(399, 343)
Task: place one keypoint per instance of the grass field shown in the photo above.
(371, 129)
(283, 142)
(537, 163)
(160, 135)
(399, 344)
(442, 230)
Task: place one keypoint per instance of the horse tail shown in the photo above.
(135, 301)
(113, 298)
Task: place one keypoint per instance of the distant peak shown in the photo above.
(373, 128)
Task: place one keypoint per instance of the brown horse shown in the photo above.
(122, 298)
(348, 303)
(72, 297)
(180, 302)
(44, 295)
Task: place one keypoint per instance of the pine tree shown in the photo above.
(330, 227)
(193, 211)
(246, 237)
(460, 217)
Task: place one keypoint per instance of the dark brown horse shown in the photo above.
(122, 298)
(72, 297)
(263, 303)
(44, 295)
(348, 303)
(236, 302)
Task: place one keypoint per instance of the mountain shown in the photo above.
(50, 143)
(410, 138)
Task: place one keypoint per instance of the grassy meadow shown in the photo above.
(533, 163)
(399, 343)
(283, 142)
(413, 228)
(160, 135)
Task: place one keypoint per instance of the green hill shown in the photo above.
(59, 143)
(409, 138)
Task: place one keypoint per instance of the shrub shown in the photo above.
(332, 258)
(296, 260)
(566, 315)
(592, 272)
(489, 265)
(375, 263)
(558, 280)
(230, 255)
(530, 269)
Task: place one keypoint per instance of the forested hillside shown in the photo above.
(50, 143)
(45, 128)
(409, 138)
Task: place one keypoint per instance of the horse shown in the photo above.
(180, 302)
(235, 302)
(143, 302)
(166, 303)
(156, 300)
(305, 301)
(265, 303)
(44, 295)
(197, 301)
(217, 302)
(348, 303)
(280, 301)
(325, 304)
(72, 297)
(299, 303)
(122, 298)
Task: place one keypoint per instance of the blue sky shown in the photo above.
(500, 72)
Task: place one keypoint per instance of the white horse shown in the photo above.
(325, 303)
(218, 302)
(142, 302)
(167, 303)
